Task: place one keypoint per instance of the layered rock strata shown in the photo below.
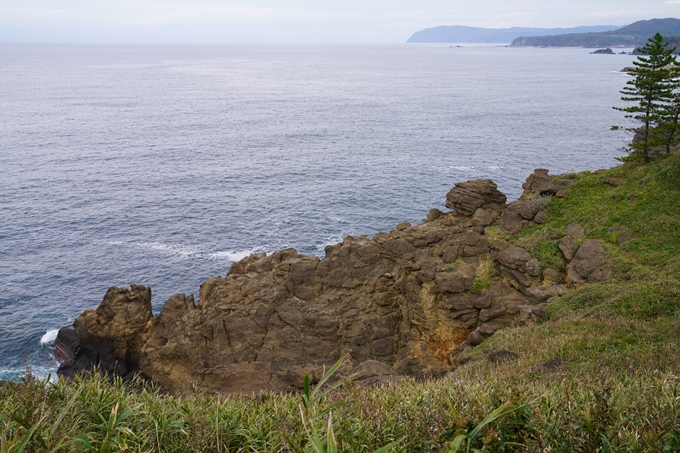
(411, 301)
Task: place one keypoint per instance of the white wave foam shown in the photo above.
(40, 372)
(182, 251)
(332, 240)
(190, 252)
(229, 255)
(49, 336)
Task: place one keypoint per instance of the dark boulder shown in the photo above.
(109, 338)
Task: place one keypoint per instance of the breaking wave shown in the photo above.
(49, 336)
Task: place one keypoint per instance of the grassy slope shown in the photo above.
(646, 278)
(617, 388)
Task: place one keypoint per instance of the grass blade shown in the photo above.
(27, 437)
(317, 388)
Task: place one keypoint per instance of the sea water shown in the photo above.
(162, 165)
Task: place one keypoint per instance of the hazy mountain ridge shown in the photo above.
(635, 34)
(463, 34)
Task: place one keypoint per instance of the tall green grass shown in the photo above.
(590, 403)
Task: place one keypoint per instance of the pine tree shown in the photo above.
(652, 89)
(669, 127)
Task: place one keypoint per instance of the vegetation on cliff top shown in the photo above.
(645, 208)
(599, 373)
(655, 91)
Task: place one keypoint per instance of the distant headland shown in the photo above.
(633, 35)
(463, 34)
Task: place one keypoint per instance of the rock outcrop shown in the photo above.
(530, 207)
(466, 197)
(110, 337)
(539, 183)
(589, 264)
(411, 301)
(575, 233)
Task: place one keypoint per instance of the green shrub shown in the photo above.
(479, 286)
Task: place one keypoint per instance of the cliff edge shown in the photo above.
(412, 301)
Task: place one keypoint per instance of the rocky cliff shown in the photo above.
(412, 301)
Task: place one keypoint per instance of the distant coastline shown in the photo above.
(633, 35)
(465, 34)
(602, 36)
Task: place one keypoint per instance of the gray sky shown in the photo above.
(291, 21)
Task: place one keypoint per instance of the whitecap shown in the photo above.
(49, 336)
(189, 252)
(172, 250)
(229, 255)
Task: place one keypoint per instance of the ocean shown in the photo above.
(161, 165)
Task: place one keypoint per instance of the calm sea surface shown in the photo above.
(163, 165)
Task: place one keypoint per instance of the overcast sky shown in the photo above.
(303, 21)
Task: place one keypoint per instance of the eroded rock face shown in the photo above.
(539, 183)
(521, 213)
(402, 303)
(402, 299)
(110, 337)
(390, 299)
(466, 197)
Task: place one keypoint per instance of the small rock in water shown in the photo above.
(606, 51)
